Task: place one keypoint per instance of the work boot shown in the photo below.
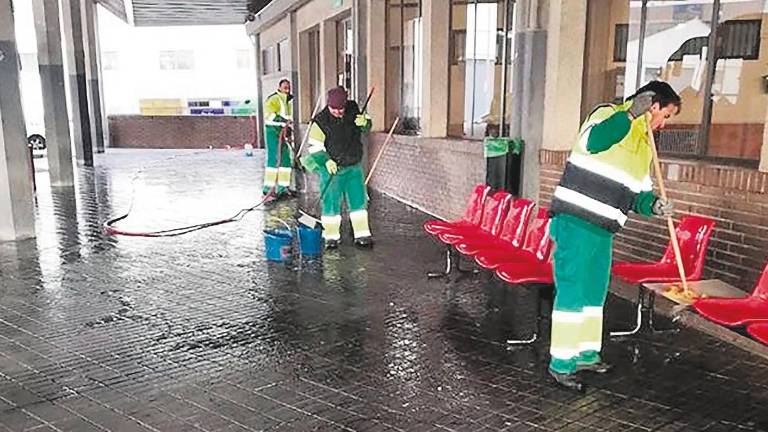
(568, 381)
(364, 242)
(599, 367)
(331, 244)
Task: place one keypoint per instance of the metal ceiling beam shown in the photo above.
(192, 12)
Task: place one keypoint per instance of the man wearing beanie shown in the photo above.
(335, 153)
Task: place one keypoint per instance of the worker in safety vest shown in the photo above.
(336, 152)
(278, 115)
(606, 176)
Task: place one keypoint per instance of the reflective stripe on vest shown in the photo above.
(602, 188)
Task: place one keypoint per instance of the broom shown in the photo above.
(311, 221)
(670, 223)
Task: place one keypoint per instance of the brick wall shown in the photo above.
(435, 174)
(736, 198)
(182, 132)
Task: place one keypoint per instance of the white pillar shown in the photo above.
(567, 29)
(93, 73)
(17, 216)
(437, 23)
(50, 59)
(78, 88)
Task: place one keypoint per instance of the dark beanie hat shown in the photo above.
(337, 98)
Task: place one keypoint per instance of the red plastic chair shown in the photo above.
(512, 231)
(737, 311)
(494, 210)
(527, 272)
(759, 331)
(537, 247)
(473, 213)
(693, 235)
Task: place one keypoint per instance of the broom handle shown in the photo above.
(381, 152)
(663, 191)
(309, 126)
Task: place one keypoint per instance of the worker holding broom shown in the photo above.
(606, 176)
(336, 152)
(278, 112)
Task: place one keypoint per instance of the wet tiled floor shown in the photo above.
(200, 333)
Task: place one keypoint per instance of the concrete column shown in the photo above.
(78, 88)
(360, 57)
(528, 89)
(304, 85)
(598, 54)
(437, 24)
(50, 59)
(376, 71)
(17, 216)
(294, 47)
(567, 29)
(256, 39)
(764, 149)
(93, 72)
(328, 55)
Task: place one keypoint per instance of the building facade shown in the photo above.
(455, 71)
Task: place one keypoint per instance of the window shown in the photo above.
(405, 63)
(109, 60)
(177, 60)
(283, 55)
(479, 103)
(268, 61)
(724, 105)
(621, 35)
(735, 40)
(244, 59)
(458, 42)
(344, 50)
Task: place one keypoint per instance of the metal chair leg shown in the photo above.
(473, 271)
(448, 265)
(513, 343)
(638, 318)
(651, 327)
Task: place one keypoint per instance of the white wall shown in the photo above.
(31, 93)
(138, 74)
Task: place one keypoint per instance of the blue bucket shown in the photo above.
(310, 240)
(278, 244)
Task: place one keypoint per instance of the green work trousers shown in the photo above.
(346, 183)
(582, 268)
(277, 173)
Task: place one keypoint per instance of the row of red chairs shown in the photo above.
(751, 311)
(496, 232)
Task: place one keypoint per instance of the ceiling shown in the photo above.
(193, 12)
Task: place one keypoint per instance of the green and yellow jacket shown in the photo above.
(608, 171)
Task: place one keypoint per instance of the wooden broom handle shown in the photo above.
(381, 152)
(663, 192)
